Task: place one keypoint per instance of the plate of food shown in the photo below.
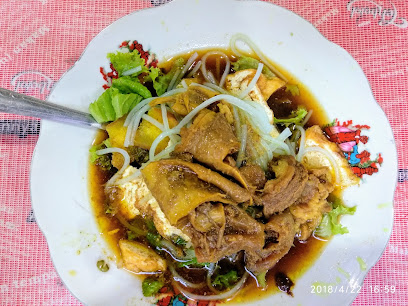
(242, 159)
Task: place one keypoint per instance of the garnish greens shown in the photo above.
(295, 117)
(330, 224)
(151, 286)
(226, 280)
(247, 62)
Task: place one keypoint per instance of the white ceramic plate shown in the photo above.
(59, 186)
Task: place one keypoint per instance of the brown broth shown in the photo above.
(97, 179)
(301, 256)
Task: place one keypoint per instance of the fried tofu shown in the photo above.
(264, 88)
(311, 160)
(138, 257)
(145, 135)
(133, 198)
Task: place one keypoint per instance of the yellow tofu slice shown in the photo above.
(264, 88)
(138, 257)
(145, 134)
(135, 199)
(315, 137)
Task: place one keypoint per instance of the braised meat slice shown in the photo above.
(179, 187)
(218, 230)
(185, 102)
(279, 233)
(210, 139)
(286, 188)
(253, 175)
(312, 204)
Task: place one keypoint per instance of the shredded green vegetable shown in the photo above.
(151, 286)
(226, 280)
(296, 117)
(330, 224)
(102, 161)
(162, 81)
(247, 62)
(123, 62)
(113, 104)
(261, 278)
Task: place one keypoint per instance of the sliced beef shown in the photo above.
(218, 230)
(188, 157)
(312, 204)
(279, 232)
(185, 102)
(286, 188)
(208, 216)
(210, 139)
(253, 175)
(179, 187)
(233, 190)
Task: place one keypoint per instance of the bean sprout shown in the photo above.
(204, 68)
(189, 63)
(178, 278)
(214, 297)
(194, 70)
(241, 152)
(302, 142)
(255, 49)
(132, 71)
(126, 162)
(173, 80)
(252, 84)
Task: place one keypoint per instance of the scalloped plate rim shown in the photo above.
(108, 28)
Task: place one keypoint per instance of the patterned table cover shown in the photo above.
(41, 39)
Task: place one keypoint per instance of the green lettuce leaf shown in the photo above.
(330, 224)
(151, 286)
(296, 117)
(127, 84)
(261, 278)
(102, 109)
(226, 280)
(154, 72)
(247, 62)
(123, 62)
(113, 104)
(162, 81)
(102, 161)
(123, 103)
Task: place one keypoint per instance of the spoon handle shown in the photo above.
(19, 104)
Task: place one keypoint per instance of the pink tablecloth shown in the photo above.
(41, 39)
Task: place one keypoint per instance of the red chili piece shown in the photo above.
(380, 159)
(102, 71)
(139, 47)
(124, 44)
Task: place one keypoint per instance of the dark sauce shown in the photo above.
(291, 267)
(284, 283)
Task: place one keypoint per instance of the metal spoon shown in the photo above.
(19, 104)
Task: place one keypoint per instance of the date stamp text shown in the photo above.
(348, 289)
